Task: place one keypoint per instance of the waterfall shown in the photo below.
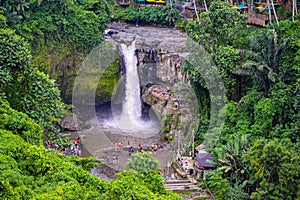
(131, 105)
(128, 120)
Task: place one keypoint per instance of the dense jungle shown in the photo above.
(256, 155)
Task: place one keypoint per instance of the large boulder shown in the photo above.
(68, 123)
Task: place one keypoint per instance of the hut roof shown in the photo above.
(204, 159)
(199, 147)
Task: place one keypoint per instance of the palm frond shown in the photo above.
(251, 54)
(271, 76)
(242, 72)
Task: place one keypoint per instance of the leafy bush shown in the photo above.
(33, 172)
(234, 193)
(134, 185)
(19, 123)
(27, 89)
(215, 182)
(142, 163)
(166, 15)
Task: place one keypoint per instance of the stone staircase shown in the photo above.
(187, 185)
(181, 185)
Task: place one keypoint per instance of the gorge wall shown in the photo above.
(165, 89)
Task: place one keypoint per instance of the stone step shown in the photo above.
(181, 184)
(178, 181)
(182, 187)
(197, 195)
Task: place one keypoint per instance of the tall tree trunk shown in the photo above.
(195, 7)
(293, 9)
(205, 5)
(296, 8)
(270, 16)
(275, 15)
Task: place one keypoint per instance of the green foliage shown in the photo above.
(3, 20)
(19, 123)
(85, 163)
(32, 172)
(129, 14)
(214, 181)
(27, 89)
(264, 59)
(277, 169)
(79, 25)
(134, 185)
(234, 193)
(142, 162)
(181, 24)
(108, 82)
(216, 27)
(166, 15)
(230, 159)
(166, 125)
(15, 11)
(262, 82)
(263, 115)
(227, 60)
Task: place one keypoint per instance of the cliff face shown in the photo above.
(164, 88)
(160, 53)
(66, 71)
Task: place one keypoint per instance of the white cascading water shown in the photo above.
(131, 106)
(130, 121)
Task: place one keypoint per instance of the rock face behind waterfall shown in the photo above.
(160, 52)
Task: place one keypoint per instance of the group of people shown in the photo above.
(155, 148)
(69, 149)
(173, 177)
(185, 164)
(131, 150)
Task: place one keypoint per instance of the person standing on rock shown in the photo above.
(130, 150)
(155, 149)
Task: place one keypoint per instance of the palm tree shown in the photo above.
(275, 15)
(294, 9)
(269, 11)
(195, 7)
(205, 5)
(264, 60)
(230, 160)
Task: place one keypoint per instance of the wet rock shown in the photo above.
(68, 123)
(105, 172)
(158, 94)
